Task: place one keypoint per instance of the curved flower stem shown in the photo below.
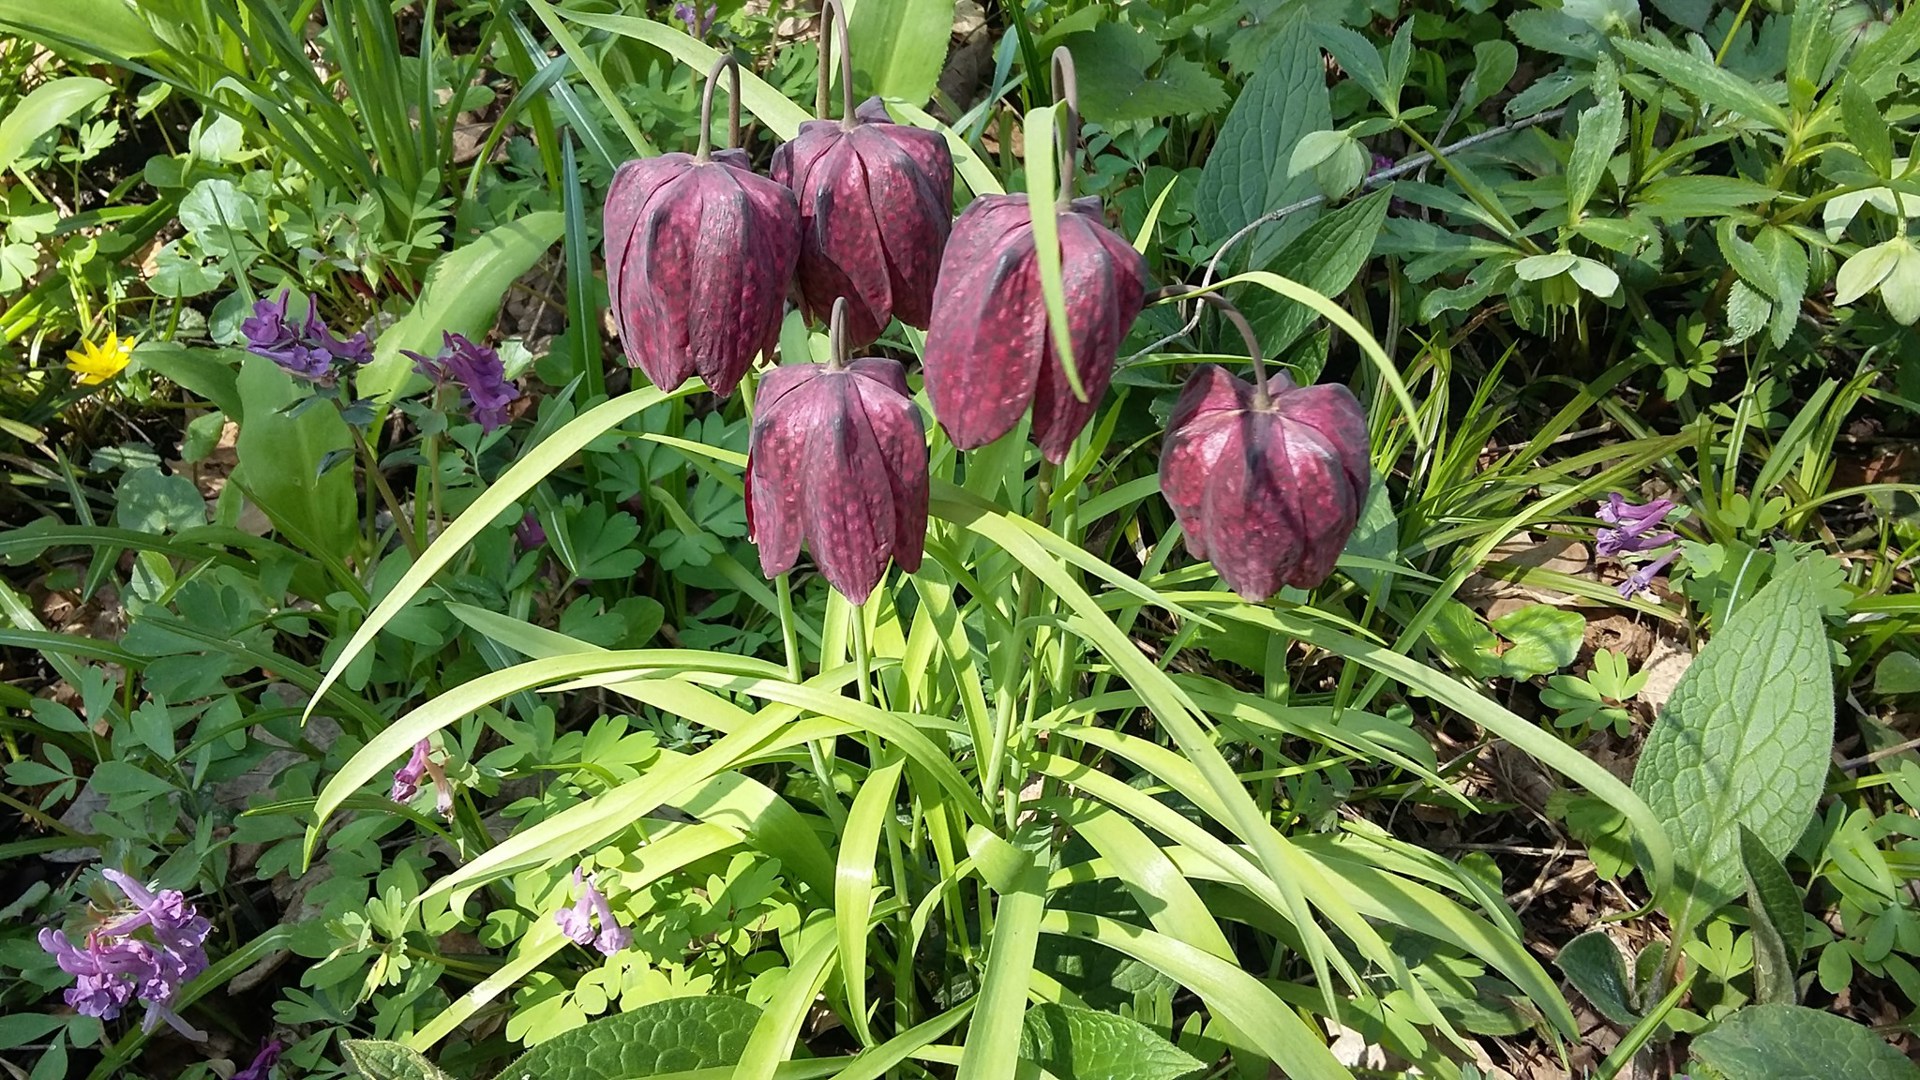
(1240, 323)
(833, 32)
(732, 68)
(1066, 91)
(789, 635)
(379, 481)
(837, 335)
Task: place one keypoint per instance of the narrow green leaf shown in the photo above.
(109, 29)
(1043, 191)
(853, 884)
(1866, 129)
(1593, 143)
(1706, 81)
(993, 1035)
(1774, 909)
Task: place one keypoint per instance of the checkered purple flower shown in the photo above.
(576, 922)
(477, 371)
(145, 954)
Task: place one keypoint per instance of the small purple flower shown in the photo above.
(310, 350)
(1641, 580)
(115, 967)
(529, 533)
(406, 780)
(478, 372)
(264, 1061)
(1632, 532)
(576, 922)
(697, 23)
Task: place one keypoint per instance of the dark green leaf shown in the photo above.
(1707, 82)
(1246, 171)
(1866, 129)
(1774, 909)
(1124, 76)
(280, 459)
(1494, 63)
(1081, 1044)
(1700, 196)
(1897, 673)
(1745, 740)
(1593, 143)
(675, 1035)
(1789, 1042)
(1593, 964)
(1325, 258)
(1360, 60)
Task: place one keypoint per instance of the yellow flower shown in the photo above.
(98, 363)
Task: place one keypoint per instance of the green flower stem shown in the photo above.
(789, 626)
(379, 481)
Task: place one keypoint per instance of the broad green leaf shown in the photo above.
(1081, 1044)
(1594, 276)
(1246, 173)
(1865, 270)
(462, 294)
(1897, 673)
(151, 501)
(280, 459)
(1744, 741)
(660, 1037)
(1494, 63)
(1325, 258)
(378, 1059)
(1545, 639)
(1541, 267)
(1866, 128)
(108, 29)
(898, 47)
(1706, 81)
(1125, 75)
(211, 373)
(1879, 60)
(1599, 132)
(1778, 926)
(48, 106)
(1790, 1042)
(1593, 964)
(1376, 536)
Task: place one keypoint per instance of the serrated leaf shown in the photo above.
(1124, 76)
(1555, 32)
(1747, 312)
(1810, 46)
(1699, 196)
(1593, 964)
(1081, 1044)
(1707, 82)
(1359, 59)
(1246, 174)
(898, 47)
(675, 1035)
(1325, 258)
(378, 1059)
(1778, 928)
(1790, 1042)
(1593, 143)
(1744, 741)
(1866, 128)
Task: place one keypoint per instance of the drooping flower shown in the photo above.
(310, 350)
(406, 779)
(699, 252)
(1632, 526)
(1641, 580)
(477, 371)
(94, 364)
(263, 1062)
(529, 534)
(989, 353)
(576, 922)
(838, 457)
(876, 204)
(145, 954)
(1267, 486)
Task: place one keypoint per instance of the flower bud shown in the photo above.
(989, 354)
(699, 253)
(876, 201)
(1269, 490)
(838, 456)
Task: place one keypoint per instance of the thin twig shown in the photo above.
(1392, 172)
(1851, 764)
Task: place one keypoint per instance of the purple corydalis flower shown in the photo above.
(406, 779)
(698, 23)
(1641, 580)
(310, 351)
(576, 922)
(1633, 526)
(114, 967)
(529, 533)
(477, 371)
(262, 1062)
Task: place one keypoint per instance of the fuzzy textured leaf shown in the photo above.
(1707, 82)
(1744, 741)
(378, 1059)
(1326, 257)
(675, 1035)
(1081, 1044)
(1246, 172)
(1593, 964)
(1789, 1042)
